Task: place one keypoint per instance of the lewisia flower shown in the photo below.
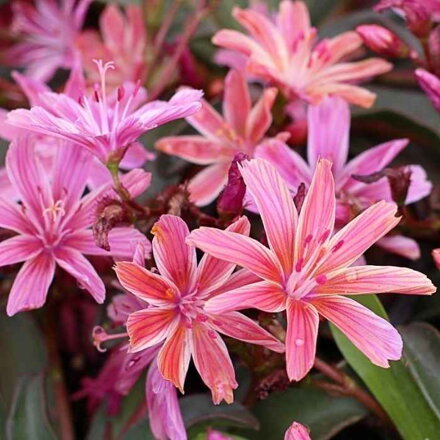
(105, 125)
(47, 31)
(240, 130)
(175, 309)
(53, 224)
(37, 94)
(329, 127)
(285, 52)
(307, 271)
(123, 369)
(122, 40)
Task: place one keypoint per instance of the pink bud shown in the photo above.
(434, 50)
(230, 201)
(297, 431)
(430, 85)
(382, 41)
(436, 256)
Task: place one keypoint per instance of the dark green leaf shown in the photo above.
(325, 415)
(27, 418)
(394, 387)
(198, 408)
(422, 349)
(23, 352)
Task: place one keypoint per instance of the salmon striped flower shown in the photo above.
(307, 270)
(175, 312)
(285, 52)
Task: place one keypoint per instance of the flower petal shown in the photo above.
(146, 285)
(164, 412)
(213, 363)
(19, 248)
(148, 327)
(301, 338)
(12, 217)
(329, 129)
(260, 117)
(194, 149)
(212, 272)
(276, 207)
(291, 166)
(317, 217)
(238, 326)
(377, 279)
(372, 335)
(174, 258)
(356, 237)
(173, 358)
(31, 285)
(236, 101)
(263, 295)
(81, 269)
(208, 183)
(238, 249)
(400, 245)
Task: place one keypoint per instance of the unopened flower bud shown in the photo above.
(230, 201)
(430, 85)
(383, 41)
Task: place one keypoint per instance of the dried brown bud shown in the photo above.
(109, 214)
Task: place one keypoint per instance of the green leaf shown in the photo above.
(394, 387)
(23, 352)
(325, 415)
(422, 349)
(411, 106)
(199, 409)
(28, 413)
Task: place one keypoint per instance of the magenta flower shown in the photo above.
(329, 127)
(46, 145)
(175, 309)
(104, 127)
(53, 224)
(240, 130)
(122, 40)
(284, 52)
(47, 31)
(297, 431)
(430, 85)
(306, 271)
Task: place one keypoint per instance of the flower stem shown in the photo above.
(345, 384)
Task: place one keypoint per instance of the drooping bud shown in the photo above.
(383, 41)
(430, 85)
(417, 14)
(230, 201)
(110, 213)
(399, 179)
(436, 256)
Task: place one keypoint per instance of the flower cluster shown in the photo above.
(236, 261)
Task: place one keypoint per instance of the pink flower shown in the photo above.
(53, 224)
(284, 52)
(306, 271)
(297, 431)
(175, 309)
(430, 85)
(106, 125)
(329, 126)
(240, 130)
(122, 40)
(382, 41)
(46, 145)
(47, 31)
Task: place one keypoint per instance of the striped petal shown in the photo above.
(301, 337)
